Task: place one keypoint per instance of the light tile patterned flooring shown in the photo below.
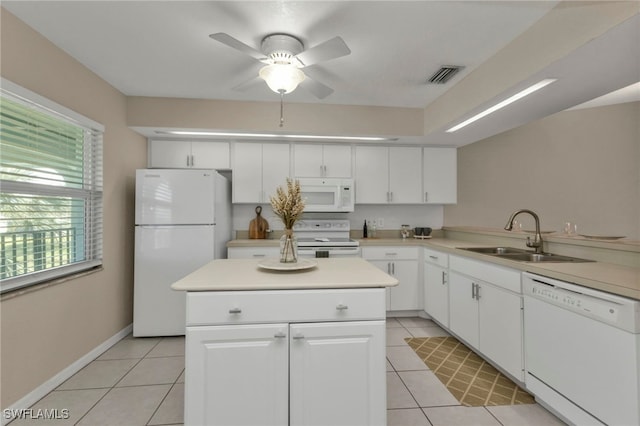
(140, 381)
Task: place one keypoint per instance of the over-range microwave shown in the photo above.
(327, 194)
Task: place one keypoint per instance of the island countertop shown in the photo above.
(245, 274)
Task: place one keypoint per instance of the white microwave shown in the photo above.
(327, 194)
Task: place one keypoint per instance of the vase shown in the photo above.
(288, 247)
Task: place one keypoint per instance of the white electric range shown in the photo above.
(325, 238)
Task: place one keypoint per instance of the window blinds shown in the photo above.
(50, 189)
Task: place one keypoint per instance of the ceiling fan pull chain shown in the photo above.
(281, 108)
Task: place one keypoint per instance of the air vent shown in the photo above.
(444, 74)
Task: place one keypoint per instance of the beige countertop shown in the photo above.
(245, 274)
(610, 277)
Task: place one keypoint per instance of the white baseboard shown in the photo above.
(38, 393)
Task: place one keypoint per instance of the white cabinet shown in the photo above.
(184, 154)
(335, 373)
(485, 310)
(321, 160)
(436, 285)
(297, 357)
(237, 375)
(439, 173)
(252, 252)
(386, 175)
(401, 263)
(258, 169)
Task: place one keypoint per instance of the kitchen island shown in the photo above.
(270, 347)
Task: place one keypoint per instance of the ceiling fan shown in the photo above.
(285, 56)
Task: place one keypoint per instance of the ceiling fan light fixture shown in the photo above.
(282, 78)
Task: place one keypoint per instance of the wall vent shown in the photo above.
(444, 74)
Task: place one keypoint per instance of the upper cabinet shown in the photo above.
(439, 168)
(258, 169)
(388, 175)
(322, 160)
(184, 155)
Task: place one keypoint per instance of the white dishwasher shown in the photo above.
(582, 351)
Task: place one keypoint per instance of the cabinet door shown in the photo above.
(275, 168)
(169, 154)
(247, 173)
(307, 160)
(237, 375)
(436, 293)
(210, 155)
(337, 161)
(338, 374)
(463, 309)
(405, 171)
(372, 175)
(405, 296)
(440, 175)
(501, 328)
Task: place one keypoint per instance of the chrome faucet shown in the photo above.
(537, 239)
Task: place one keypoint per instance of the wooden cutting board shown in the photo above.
(258, 226)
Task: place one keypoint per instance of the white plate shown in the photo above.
(602, 237)
(276, 265)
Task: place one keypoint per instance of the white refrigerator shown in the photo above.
(182, 222)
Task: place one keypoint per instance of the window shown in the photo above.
(50, 189)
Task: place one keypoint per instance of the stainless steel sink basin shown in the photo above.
(542, 257)
(494, 250)
(521, 255)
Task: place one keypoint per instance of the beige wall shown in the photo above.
(46, 330)
(265, 116)
(580, 165)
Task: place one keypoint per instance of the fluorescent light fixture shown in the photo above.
(272, 135)
(529, 90)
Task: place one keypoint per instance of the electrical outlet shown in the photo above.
(380, 223)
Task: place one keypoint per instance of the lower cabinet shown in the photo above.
(436, 285)
(286, 372)
(401, 263)
(485, 310)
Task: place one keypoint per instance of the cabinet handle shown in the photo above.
(473, 290)
(477, 291)
(393, 268)
(390, 196)
(280, 335)
(188, 161)
(443, 277)
(298, 336)
(192, 163)
(389, 268)
(433, 257)
(342, 307)
(258, 255)
(235, 311)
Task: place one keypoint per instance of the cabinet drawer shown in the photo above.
(436, 257)
(252, 252)
(502, 277)
(238, 307)
(390, 252)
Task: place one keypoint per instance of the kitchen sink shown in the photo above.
(542, 257)
(521, 255)
(494, 250)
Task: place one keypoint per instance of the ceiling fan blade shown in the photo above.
(318, 89)
(330, 49)
(234, 43)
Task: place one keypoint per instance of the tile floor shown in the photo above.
(140, 381)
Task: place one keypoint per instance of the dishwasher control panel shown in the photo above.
(601, 309)
(615, 310)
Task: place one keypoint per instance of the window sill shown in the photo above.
(40, 286)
